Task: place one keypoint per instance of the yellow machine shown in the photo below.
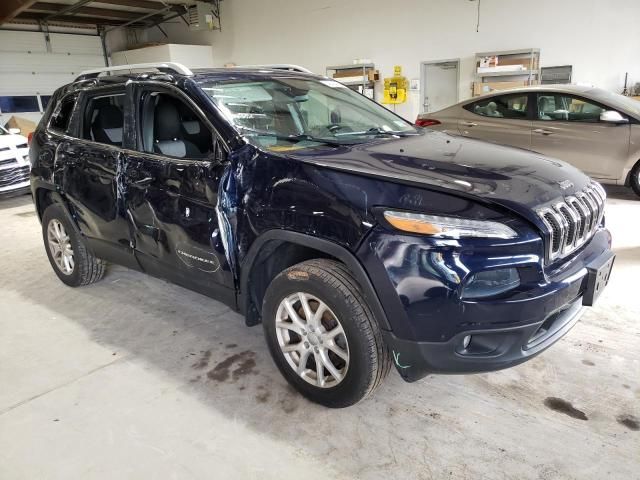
(395, 88)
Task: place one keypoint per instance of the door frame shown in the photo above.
(423, 78)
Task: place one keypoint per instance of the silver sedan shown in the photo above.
(593, 129)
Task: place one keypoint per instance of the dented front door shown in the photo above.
(171, 204)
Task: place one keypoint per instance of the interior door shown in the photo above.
(91, 164)
(502, 119)
(439, 85)
(568, 127)
(172, 182)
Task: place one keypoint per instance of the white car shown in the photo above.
(14, 163)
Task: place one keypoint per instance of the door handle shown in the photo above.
(143, 182)
(543, 131)
(469, 124)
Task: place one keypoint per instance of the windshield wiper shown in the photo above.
(379, 131)
(294, 138)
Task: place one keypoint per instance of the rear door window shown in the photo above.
(103, 119)
(512, 106)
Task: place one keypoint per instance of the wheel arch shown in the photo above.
(276, 250)
(45, 196)
(634, 166)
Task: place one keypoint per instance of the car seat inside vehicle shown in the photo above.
(107, 125)
(171, 128)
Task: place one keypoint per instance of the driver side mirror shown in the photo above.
(611, 116)
(14, 131)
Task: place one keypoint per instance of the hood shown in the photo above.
(12, 140)
(514, 178)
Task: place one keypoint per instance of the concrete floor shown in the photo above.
(135, 378)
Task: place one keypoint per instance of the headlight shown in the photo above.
(447, 227)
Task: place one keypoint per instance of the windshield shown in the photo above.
(290, 113)
(3, 131)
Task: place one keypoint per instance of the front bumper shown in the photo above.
(488, 350)
(420, 293)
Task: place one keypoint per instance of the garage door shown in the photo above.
(29, 73)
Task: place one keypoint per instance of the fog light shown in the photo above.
(466, 341)
(491, 282)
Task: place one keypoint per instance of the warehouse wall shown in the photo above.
(599, 38)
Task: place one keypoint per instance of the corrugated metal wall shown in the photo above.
(27, 68)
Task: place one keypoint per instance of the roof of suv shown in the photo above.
(252, 72)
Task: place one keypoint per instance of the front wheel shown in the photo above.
(321, 334)
(634, 179)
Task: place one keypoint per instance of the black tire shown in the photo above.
(634, 179)
(332, 283)
(87, 268)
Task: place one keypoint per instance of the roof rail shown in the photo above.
(171, 67)
(278, 66)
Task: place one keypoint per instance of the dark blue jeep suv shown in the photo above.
(356, 239)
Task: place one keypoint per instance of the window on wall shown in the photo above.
(566, 108)
(501, 106)
(45, 99)
(19, 104)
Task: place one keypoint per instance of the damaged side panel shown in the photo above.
(171, 204)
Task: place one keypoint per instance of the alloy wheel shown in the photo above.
(60, 246)
(312, 340)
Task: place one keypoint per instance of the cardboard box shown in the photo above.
(491, 61)
(356, 75)
(352, 72)
(525, 61)
(480, 88)
(25, 126)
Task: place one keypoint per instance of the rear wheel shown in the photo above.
(322, 335)
(74, 264)
(634, 179)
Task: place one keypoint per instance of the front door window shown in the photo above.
(566, 108)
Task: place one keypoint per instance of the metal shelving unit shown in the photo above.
(357, 85)
(530, 58)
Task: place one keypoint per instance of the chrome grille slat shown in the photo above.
(572, 222)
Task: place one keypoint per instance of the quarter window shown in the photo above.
(62, 116)
(565, 108)
(502, 106)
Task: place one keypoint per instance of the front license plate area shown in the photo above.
(597, 278)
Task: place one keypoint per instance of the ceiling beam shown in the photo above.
(10, 8)
(91, 11)
(68, 9)
(147, 16)
(35, 18)
(144, 4)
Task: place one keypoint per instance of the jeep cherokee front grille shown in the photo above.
(572, 222)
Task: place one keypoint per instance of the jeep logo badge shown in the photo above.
(564, 184)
